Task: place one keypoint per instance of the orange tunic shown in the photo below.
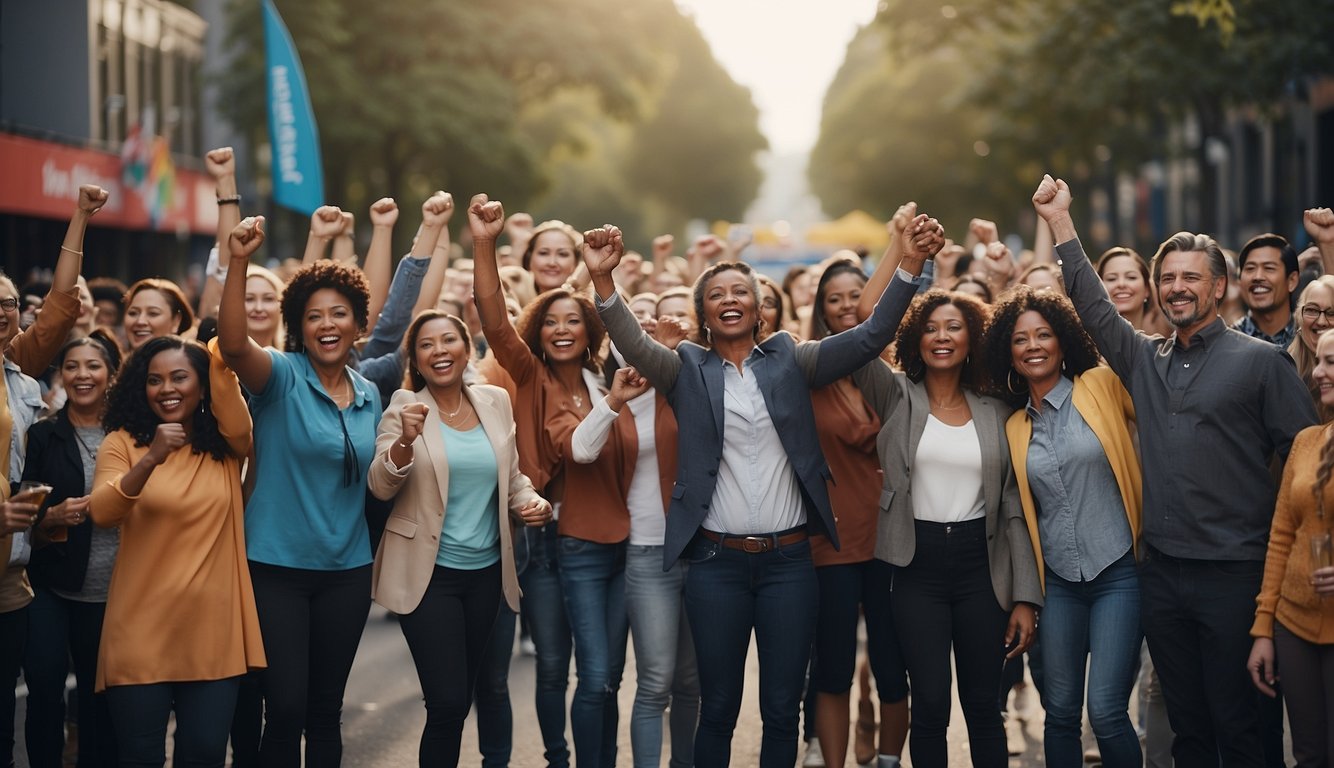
(180, 606)
(847, 428)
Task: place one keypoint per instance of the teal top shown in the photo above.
(470, 538)
(308, 507)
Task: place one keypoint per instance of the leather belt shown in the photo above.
(755, 544)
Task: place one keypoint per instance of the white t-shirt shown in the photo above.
(947, 474)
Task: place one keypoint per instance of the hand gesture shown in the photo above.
(602, 249)
(169, 437)
(1052, 198)
(246, 238)
(626, 385)
(1264, 672)
(384, 212)
(326, 222)
(739, 237)
(67, 513)
(902, 218)
(349, 224)
(985, 231)
(708, 247)
(1320, 225)
(220, 162)
(662, 247)
(925, 237)
(413, 420)
(535, 513)
(92, 198)
(437, 209)
(998, 267)
(1022, 629)
(670, 331)
(486, 218)
(519, 227)
(19, 513)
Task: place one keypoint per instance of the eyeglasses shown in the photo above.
(9, 305)
(1310, 312)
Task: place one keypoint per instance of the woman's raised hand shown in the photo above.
(1052, 198)
(246, 238)
(92, 198)
(626, 385)
(384, 212)
(413, 420)
(437, 209)
(220, 162)
(486, 218)
(925, 237)
(326, 222)
(602, 249)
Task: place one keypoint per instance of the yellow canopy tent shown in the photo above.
(854, 229)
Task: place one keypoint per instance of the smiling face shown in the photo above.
(564, 334)
(1124, 281)
(841, 294)
(945, 339)
(1265, 286)
(9, 318)
(769, 304)
(553, 260)
(1311, 314)
(329, 328)
(1323, 373)
(149, 316)
(85, 376)
(1187, 292)
(441, 353)
(262, 307)
(1036, 351)
(731, 311)
(173, 388)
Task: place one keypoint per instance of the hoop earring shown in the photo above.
(1009, 384)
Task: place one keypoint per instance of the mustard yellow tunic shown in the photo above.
(180, 606)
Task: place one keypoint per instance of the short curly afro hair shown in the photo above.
(127, 401)
(348, 281)
(1077, 347)
(529, 325)
(908, 340)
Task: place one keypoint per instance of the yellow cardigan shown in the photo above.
(1105, 404)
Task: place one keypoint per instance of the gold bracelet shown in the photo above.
(71, 250)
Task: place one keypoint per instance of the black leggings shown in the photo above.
(447, 635)
(312, 623)
(203, 714)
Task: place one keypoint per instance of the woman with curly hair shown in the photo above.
(310, 556)
(155, 307)
(70, 570)
(180, 627)
(1292, 627)
(1079, 483)
(552, 357)
(950, 523)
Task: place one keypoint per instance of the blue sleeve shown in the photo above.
(282, 374)
(384, 372)
(397, 311)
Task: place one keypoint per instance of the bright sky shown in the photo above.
(786, 52)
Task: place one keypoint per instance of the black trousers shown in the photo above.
(1197, 617)
(312, 623)
(13, 637)
(203, 715)
(447, 636)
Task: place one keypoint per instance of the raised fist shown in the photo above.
(246, 237)
(626, 385)
(1052, 198)
(92, 198)
(602, 249)
(985, 231)
(486, 218)
(220, 162)
(168, 438)
(902, 218)
(413, 419)
(662, 247)
(1320, 224)
(384, 212)
(437, 209)
(326, 222)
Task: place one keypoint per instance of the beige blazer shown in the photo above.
(411, 541)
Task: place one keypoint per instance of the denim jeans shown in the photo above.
(729, 593)
(1093, 623)
(1197, 617)
(664, 658)
(203, 718)
(60, 630)
(495, 719)
(544, 608)
(592, 577)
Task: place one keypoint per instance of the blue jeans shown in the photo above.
(495, 719)
(664, 658)
(729, 593)
(1094, 622)
(592, 576)
(544, 608)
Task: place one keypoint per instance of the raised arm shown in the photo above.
(833, 357)
(325, 224)
(1320, 226)
(33, 349)
(486, 220)
(405, 294)
(221, 165)
(1116, 338)
(384, 213)
(228, 404)
(436, 212)
(344, 250)
(247, 358)
(884, 271)
(602, 251)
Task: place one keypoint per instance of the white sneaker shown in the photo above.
(814, 755)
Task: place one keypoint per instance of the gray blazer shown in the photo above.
(903, 408)
(691, 378)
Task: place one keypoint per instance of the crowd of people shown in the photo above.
(981, 455)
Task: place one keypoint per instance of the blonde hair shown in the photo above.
(255, 270)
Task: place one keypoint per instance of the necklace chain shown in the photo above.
(955, 407)
(451, 414)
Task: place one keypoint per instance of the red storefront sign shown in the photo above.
(41, 178)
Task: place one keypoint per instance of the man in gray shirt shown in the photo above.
(1213, 407)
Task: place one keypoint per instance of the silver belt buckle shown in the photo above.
(755, 544)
